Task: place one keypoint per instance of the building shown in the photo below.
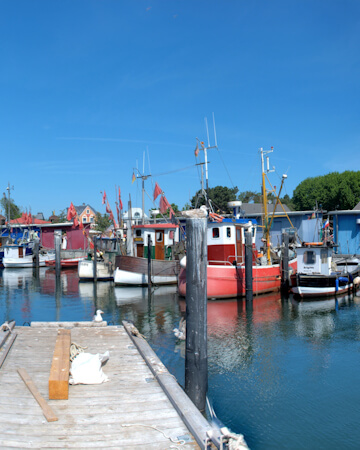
(346, 230)
(86, 213)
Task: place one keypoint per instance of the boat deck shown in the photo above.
(129, 411)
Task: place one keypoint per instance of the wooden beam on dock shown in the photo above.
(60, 367)
(49, 414)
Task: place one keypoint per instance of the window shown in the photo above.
(309, 257)
(171, 234)
(88, 211)
(228, 232)
(138, 233)
(137, 215)
(92, 219)
(159, 236)
(216, 233)
(84, 219)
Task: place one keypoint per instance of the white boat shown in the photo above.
(104, 270)
(16, 256)
(133, 270)
(318, 274)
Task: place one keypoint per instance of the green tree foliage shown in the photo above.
(62, 216)
(219, 197)
(15, 211)
(250, 197)
(102, 222)
(332, 191)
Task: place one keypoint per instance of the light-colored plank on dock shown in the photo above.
(128, 412)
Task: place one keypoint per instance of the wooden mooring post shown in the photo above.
(285, 263)
(196, 364)
(36, 249)
(248, 266)
(57, 238)
(95, 259)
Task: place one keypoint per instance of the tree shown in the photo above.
(15, 212)
(62, 216)
(332, 191)
(219, 196)
(102, 222)
(250, 197)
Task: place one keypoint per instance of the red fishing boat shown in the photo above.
(226, 253)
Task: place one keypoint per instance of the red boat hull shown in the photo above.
(72, 262)
(225, 281)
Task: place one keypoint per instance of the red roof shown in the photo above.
(23, 221)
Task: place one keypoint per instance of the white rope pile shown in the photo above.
(232, 441)
(75, 349)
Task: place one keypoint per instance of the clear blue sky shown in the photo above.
(88, 87)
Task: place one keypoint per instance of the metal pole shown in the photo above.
(196, 367)
(285, 263)
(248, 266)
(149, 259)
(57, 236)
(95, 259)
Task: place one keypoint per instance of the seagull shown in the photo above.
(98, 317)
(180, 332)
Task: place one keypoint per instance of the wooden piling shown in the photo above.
(95, 260)
(248, 266)
(196, 370)
(57, 238)
(285, 263)
(36, 249)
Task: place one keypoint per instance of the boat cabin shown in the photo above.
(162, 235)
(226, 240)
(314, 258)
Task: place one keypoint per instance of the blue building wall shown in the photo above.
(347, 233)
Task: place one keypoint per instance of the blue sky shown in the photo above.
(87, 88)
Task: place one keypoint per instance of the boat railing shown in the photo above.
(220, 263)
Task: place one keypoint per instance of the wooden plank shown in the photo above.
(48, 412)
(5, 349)
(60, 367)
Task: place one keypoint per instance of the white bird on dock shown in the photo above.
(97, 317)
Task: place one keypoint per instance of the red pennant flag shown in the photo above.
(162, 204)
(120, 202)
(104, 198)
(108, 209)
(157, 191)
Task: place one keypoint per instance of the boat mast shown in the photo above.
(143, 178)
(264, 172)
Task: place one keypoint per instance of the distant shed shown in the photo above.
(346, 225)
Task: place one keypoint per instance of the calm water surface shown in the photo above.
(285, 374)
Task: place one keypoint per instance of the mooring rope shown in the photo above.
(75, 350)
(177, 441)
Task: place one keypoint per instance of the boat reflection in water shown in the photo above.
(137, 294)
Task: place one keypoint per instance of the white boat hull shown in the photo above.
(126, 278)
(26, 261)
(86, 270)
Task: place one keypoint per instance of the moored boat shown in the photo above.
(133, 270)
(226, 262)
(319, 275)
(226, 253)
(70, 262)
(104, 270)
(21, 256)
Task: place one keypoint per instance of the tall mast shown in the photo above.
(264, 172)
(143, 178)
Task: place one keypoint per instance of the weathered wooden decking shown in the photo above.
(130, 411)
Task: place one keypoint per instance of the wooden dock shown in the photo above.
(129, 411)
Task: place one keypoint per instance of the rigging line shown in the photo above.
(231, 181)
(173, 171)
(152, 180)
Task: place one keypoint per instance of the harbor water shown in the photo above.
(284, 374)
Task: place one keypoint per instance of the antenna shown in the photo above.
(207, 131)
(214, 130)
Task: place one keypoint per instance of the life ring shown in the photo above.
(216, 217)
(309, 244)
